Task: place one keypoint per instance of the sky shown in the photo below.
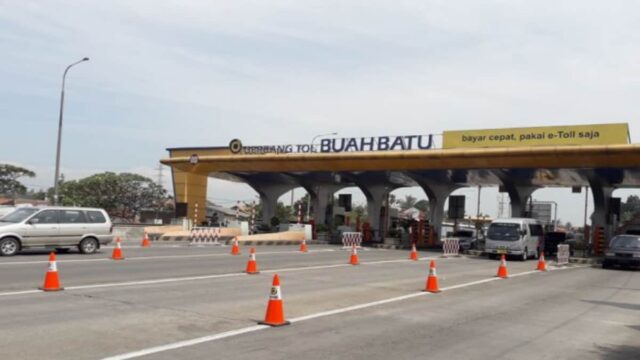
(200, 73)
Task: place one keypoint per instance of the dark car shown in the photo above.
(624, 250)
(551, 241)
(260, 228)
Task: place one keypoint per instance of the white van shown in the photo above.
(521, 237)
(56, 228)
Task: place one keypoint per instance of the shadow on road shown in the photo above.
(627, 306)
(45, 252)
(622, 352)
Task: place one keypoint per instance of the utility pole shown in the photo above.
(586, 204)
(159, 181)
(56, 177)
(478, 207)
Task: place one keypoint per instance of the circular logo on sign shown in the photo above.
(193, 159)
(235, 146)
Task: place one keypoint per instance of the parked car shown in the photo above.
(260, 228)
(624, 250)
(517, 236)
(467, 238)
(55, 228)
(554, 238)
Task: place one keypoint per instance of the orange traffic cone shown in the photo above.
(414, 253)
(235, 249)
(117, 251)
(542, 265)
(354, 256)
(145, 240)
(432, 279)
(275, 311)
(303, 246)
(51, 281)
(252, 265)
(502, 270)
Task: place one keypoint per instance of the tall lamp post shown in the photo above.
(57, 174)
(312, 142)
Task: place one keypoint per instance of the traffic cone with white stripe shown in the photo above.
(542, 265)
(252, 265)
(275, 309)
(354, 256)
(303, 246)
(414, 253)
(117, 251)
(235, 249)
(502, 270)
(51, 280)
(432, 279)
(145, 240)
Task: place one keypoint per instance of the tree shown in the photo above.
(392, 200)
(121, 195)
(9, 175)
(630, 208)
(283, 212)
(408, 202)
(422, 205)
(360, 210)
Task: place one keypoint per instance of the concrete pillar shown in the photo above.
(438, 194)
(518, 184)
(269, 195)
(191, 188)
(376, 196)
(518, 196)
(601, 206)
(322, 197)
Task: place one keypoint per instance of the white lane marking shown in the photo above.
(214, 337)
(195, 278)
(152, 282)
(523, 273)
(23, 292)
(181, 344)
(478, 282)
(357, 307)
(156, 257)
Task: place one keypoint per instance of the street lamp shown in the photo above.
(309, 198)
(57, 175)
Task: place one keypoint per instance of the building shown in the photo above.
(519, 161)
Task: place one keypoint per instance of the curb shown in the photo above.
(592, 261)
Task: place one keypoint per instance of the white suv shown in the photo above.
(56, 228)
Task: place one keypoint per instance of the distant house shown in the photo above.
(411, 214)
(220, 214)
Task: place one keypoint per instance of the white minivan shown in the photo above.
(520, 237)
(55, 228)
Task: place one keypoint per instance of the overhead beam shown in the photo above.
(552, 157)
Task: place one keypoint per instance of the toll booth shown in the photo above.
(421, 233)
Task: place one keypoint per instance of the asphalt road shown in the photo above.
(195, 303)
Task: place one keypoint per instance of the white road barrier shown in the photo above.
(351, 238)
(563, 254)
(205, 235)
(450, 247)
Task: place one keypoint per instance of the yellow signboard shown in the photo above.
(598, 134)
